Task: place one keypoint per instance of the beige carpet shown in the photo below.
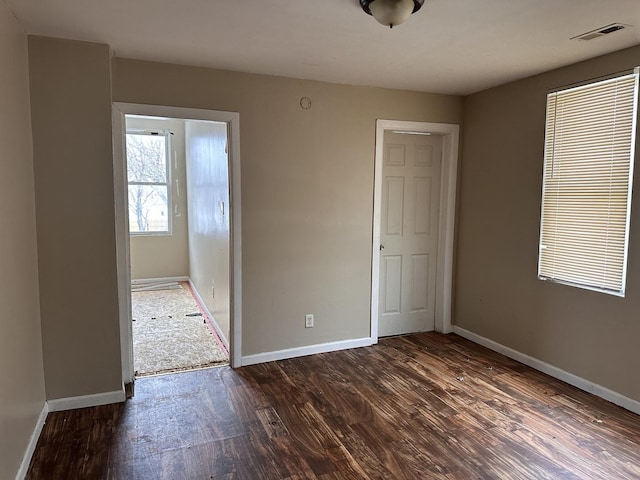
(166, 339)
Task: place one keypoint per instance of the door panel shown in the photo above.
(424, 156)
(392, 266)
(393, 206)
(396, 155)
(422, 205)
(419, 282)
(409, 232)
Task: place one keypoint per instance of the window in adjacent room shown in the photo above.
(586, 194)
(148, 179)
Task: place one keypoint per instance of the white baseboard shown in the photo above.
(70, 403)
(570, 378)
(306, 350)
(33, 441)
(139, 281)
(222, 336)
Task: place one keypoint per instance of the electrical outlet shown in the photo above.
(308, 320)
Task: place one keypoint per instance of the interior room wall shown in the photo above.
(73, 166)
(161, 256)
(498, 296)
(22, 387)
(208, 194)
(307, 189)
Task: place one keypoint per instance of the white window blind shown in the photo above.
(586, 198)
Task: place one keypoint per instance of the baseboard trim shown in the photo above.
(139, 281)
(203, 305)
(570, 378)
(97, 399)
(33, 441)
(306, 350)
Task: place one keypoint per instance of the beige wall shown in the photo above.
(589, 334)
(208, 180)
(21, 374)
(159, 256)
(307, 189)
(71, 121)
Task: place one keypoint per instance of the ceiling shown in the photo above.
(449, 46)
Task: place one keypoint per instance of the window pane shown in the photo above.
(586, 197)
(148, 211)
(146, 158)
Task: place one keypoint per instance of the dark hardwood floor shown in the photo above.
(417, 407)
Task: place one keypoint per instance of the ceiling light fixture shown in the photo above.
(391, 12)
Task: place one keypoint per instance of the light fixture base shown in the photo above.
(366, 6)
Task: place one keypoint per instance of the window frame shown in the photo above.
(167, 156)
(550, 156)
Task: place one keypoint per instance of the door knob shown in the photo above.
(381, 247)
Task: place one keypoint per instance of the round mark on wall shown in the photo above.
(305, 103)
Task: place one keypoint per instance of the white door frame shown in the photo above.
(232, 119)
(446, 222)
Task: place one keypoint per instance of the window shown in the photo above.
(148, 179)
(586, 194)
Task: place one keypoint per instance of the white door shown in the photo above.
(409, 232)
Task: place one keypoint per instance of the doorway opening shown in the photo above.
(177, 201)
(177, 174)
(413, 227)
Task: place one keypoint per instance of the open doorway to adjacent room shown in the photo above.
(177, 182)
(175, 252)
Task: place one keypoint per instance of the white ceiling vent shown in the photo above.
(600, 32)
